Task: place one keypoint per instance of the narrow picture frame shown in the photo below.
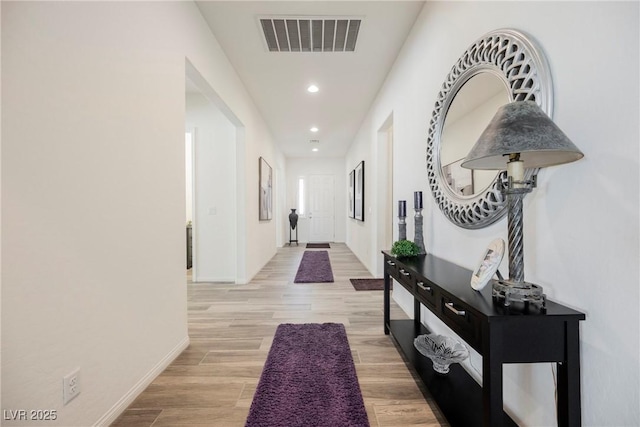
(351, 201)
(359, 192)
(265, 190)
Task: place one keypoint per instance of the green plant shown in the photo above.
(405, 248)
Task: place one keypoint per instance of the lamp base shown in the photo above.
(509, 292)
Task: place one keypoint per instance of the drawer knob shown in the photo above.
(404, 273)
(423, 287)
(391, 263)
(450, 306)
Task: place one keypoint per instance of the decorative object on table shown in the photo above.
(308, 379)
(488, 266)
(501, 66)
(315, 267)
(402, 223)
(352, 200)
(442, 350)
(359, 192)
(418, 239)
(404, 249)
(520, 136)
(293, 222)
(265, 187)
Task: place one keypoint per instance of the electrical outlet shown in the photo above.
(71, 386)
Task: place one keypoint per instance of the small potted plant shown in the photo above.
(404, 249)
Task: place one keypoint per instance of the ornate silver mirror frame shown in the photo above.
(520, 64)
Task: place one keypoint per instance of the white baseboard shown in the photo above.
(121, 405)
(205, 279)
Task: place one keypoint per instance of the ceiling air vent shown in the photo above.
(314, 141)
(310, 34)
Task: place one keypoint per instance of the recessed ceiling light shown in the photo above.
(314, 129)
(313, 88)
(314, 149)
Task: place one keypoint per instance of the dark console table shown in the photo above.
(500, 335)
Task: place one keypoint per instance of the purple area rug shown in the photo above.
(318, 246)
(315, 267)
(308, 380)
(369, 284)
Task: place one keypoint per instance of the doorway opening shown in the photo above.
(215, 187)
(384, 223)
(189, 142)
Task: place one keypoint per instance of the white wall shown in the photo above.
(1, 197)
(303, 168)
(93, 188)
(581, 223)
(282, 210)
(214, 225)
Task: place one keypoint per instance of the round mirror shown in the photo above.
(502, 66)
(470, 112)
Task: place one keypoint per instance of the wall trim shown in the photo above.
(121, 405)
(371, 271)
(222, 280)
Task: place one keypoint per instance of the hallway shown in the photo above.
(231, 328)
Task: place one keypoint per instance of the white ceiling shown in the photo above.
(277, 81)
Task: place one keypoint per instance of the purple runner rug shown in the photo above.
(315, 267)
(308, 380)
(369, 284)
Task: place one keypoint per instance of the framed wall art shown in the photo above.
(351, 202)
(265, 196)
(359, 192)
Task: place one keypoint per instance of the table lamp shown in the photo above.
(520, 136)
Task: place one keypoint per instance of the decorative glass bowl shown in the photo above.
(442, 350)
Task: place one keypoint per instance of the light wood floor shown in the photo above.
(231, 329)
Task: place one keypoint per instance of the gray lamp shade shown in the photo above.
(521, 127)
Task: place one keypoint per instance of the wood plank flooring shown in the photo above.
(231, 328)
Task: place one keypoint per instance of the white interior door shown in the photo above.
(321, 208)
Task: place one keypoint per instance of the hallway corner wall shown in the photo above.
(581, 223)
(93, 196)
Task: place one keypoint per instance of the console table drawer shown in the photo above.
(400, 274)
(461, 321)
(425, 292)
(392, 269)
(406, 279)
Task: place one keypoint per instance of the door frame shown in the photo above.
(239, 184)
(193, 132)
(384, 196)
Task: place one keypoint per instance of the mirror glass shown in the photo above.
(502, 66)
(470, 112)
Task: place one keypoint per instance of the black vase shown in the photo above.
(293, 219)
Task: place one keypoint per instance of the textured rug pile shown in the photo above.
(308, 380)
(315, 267)
(318, 246)
(368, 284)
